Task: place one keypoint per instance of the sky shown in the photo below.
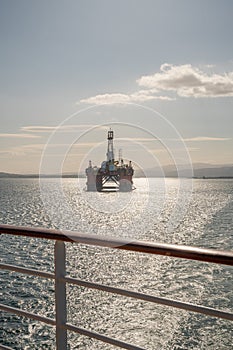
(160, 73)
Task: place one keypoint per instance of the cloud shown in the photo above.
(165, 150)
(35, 149)
(189, 81)
(51, 149)
(137, 139)
(206, 138)
(38, 128)
(184, 80)
(24, 150)
(21, 136)
(146, 95)
(107, 99)
(209, 65)
(61, 128)
(116, 98)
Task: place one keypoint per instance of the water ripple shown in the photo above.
(208, 223)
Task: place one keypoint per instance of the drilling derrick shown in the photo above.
(110, 152)
(112, 175)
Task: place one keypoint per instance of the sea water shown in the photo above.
(206, 220)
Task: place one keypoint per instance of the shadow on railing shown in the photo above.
(60, 321)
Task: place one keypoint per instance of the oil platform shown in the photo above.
(113, 175)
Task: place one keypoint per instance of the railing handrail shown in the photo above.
(173, 250)
(60, 278)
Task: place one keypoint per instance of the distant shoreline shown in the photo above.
(36, 176)
(76, 176)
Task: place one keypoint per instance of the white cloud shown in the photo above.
(209, 65)
(146, 95)
(165, 150)
(35, 149)
(206, 138)
(61, 128)
(184, 80)
(107, 99)
(38, 128)
(51, 149)
(189, 81)
(137, 139)
(21, 136)
(115, 98)
(24, 150)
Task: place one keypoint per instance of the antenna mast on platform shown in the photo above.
(110, 152)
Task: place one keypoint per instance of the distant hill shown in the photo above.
(200, 170)
(214, 172)
(35, 176)
(7, 175)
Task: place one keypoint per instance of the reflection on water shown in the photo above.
(142, 214)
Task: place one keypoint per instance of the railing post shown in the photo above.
(60, 294)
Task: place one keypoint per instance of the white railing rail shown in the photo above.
(60, 321)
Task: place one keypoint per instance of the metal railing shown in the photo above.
(60, 321)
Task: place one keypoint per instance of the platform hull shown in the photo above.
(109, 181)
(125, 185)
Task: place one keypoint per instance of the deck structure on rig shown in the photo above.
(113, 175)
